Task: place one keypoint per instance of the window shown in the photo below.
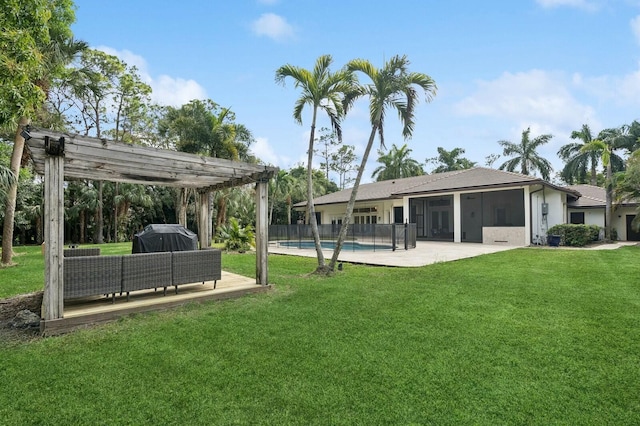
(577, 218)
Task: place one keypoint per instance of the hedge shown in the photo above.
(575, 235)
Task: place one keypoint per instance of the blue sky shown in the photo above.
(500, 66)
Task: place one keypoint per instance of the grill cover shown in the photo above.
(164, 237)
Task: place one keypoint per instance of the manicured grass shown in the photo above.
(521, 337)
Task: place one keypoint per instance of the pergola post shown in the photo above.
(262, 235)
(203, 222)
(53, 299)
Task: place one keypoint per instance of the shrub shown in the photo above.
(235, 237)
(575, 235)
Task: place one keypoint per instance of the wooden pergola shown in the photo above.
(83, 157)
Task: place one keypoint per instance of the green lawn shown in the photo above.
(528, 336)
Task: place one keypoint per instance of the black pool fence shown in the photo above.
(359, 236)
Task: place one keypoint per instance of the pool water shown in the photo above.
(330, 245)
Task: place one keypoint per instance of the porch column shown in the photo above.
(457, 218)
(405, 209)
(53, 299)
(262, 227)
(527, 215)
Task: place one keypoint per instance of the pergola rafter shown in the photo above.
(101, 159)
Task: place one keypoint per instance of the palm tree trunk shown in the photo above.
(310, 205)
(99, 234)
(12, 194)
(182, 206)
(594, 173)
(608, 203)
(352, 201)
(115, 215)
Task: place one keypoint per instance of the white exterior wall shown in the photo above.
(619, 220)
(591, 216)
(596, 216)
(556, 202)
(384, 212)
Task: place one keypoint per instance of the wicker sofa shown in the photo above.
(98, 275)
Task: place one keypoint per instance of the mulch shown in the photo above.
(8, 310)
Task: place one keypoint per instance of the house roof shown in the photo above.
(593, 197)
(476, 178)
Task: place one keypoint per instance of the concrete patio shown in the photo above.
(425, 253)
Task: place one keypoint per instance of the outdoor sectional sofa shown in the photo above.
(98, 275)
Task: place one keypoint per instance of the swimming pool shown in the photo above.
(330, 245)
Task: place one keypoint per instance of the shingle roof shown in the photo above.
(469, 179)
(592, 196)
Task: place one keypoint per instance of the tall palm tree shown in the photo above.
(392, 86)
(608, 141)
(524, 155)
(578, 163)
(321, 90)
(396, 164)
(450, 160)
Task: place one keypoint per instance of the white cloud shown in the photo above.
(166, 90)
(635, 28)
(528, 97)
(614, 90)
(263, 150)
(272, 26)
(176, 91)
(581, 4)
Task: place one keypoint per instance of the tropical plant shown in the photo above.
(525, 155)
(236, 237)
(321, 90)
(449, 161)
(392, 86)
(396, 164)
(580, 166)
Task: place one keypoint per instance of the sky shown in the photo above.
(500, 66)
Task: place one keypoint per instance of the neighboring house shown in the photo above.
(478, 205)
(589, 209)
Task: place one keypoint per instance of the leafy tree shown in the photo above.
(36, 43)
(396, 164)
(490, 159)
(321, 90)
(203, 127)
(580, 166)
(392, 86)
(524, 155)
(328, 142)
(343, 162)
(449, 161)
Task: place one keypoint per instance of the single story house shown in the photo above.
(480, 205)
(590, 207)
